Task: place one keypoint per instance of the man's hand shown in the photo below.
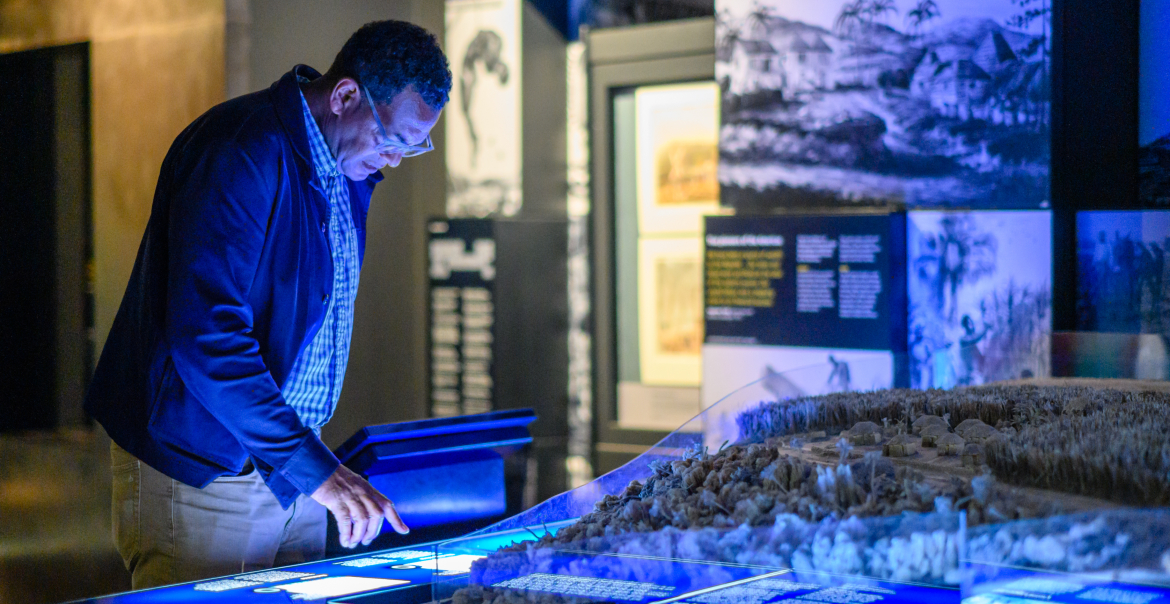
(358, 507)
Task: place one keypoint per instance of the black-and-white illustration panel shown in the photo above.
(980, 289)
(931, 103)
(483, 116)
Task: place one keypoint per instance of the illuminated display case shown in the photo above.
(830, 559)
(653, 116)
(863, 515)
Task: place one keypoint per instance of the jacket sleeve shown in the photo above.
(221, 203)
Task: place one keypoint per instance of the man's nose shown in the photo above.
(392, 159)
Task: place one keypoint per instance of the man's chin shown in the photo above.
(359, 170)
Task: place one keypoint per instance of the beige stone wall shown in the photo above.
(155, 65)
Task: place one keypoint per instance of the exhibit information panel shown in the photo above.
(419, 573)
(1022, 586)
(462, 271)
(817, 281)
(389, 576)
(796, 291)
(563, 576)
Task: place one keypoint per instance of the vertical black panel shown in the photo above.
(499, 304)
(74, 232)
(45, 238)
(462, 317)
(27, 241)
(1095, 121)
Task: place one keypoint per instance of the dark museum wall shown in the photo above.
(147, 68)
(45, 239)
(1095, 125)
(153, 67)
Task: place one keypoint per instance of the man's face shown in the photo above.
(355, 137)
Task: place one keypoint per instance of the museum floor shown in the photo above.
(55, 542)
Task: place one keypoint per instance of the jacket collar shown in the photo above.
(286, 98)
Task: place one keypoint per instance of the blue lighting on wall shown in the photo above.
(1154, 119)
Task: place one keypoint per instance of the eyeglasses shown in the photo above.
(389, 145)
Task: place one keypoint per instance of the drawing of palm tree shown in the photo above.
(959, 254)
(759, 20)
(1031, 10)
(924, 11)
(877, 9)
(723, 19)
(729, 32)
(730, 36)
(850, 17)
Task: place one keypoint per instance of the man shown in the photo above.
(228, 352)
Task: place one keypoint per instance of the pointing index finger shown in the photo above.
(394, 519)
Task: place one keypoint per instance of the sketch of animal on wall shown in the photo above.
(931, 103)
(484, 52)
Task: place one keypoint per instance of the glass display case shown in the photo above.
(1010, 493)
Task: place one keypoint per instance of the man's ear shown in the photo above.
(345, 96)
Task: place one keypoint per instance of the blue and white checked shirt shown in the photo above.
(314, 384)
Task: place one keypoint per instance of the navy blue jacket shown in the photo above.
(230, 284)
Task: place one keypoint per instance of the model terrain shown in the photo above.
(872, 484)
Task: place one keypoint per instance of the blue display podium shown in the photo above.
(444, 474)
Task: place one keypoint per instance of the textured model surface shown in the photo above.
(825, 484)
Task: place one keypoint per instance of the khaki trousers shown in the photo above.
(168, 532)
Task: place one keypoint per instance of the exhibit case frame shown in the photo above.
(621, 60)
(767, 501)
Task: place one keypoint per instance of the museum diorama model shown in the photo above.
(229, 349)
(1000, 494)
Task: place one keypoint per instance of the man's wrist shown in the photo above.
(310, 466)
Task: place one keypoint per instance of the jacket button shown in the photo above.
(324, 297)
(324, 226)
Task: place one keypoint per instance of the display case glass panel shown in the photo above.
(1111, 556)
(855, 497)
(951, 525)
